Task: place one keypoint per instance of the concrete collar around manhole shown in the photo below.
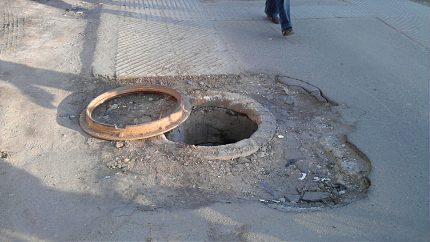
(223, 126)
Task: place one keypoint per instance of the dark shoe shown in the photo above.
(288, 31)
(274, 20)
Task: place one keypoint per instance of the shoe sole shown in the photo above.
(271, 19)
(288, 32)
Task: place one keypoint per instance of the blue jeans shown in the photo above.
(281, 7)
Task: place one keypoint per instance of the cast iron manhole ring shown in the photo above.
(138, 131)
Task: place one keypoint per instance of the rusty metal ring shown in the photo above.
(138, 131)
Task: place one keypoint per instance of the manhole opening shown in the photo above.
(212, 126)
(134, 109)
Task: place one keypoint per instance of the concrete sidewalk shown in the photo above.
(371, 57)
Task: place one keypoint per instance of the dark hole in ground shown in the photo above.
(212, 126)
(134, 109)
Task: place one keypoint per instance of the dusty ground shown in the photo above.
(308, 156)
(45, 83)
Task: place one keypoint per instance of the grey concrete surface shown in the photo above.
(371, 57)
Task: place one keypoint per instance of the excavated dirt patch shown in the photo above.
(309, 163)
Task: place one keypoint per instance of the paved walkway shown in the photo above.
(370, 56)
(192, 37)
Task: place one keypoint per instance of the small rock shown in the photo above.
(4, 154)
(201, 83)
(342, 192)
(107, 177)
(294, 198)
(269, 201)
(315, 196)
(281, 136)
(72, 116)
(126, 160)
(189, 82)
(113, 106)
(302, 177)
(282, 199)
(119, 145)
(150, 99)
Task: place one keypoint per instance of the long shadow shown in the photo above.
(32, 82)
(55, 3)
(31, 210)
(37, 211)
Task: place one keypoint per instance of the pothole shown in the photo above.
(213, 126)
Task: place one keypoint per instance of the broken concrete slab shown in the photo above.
(315, 196)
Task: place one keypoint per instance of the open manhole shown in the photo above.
(224, 126)
(212, 126)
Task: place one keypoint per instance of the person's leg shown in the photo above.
(271, 9)
(283, 7)
(287, 11)
(267, 8)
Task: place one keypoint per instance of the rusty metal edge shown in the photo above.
(139, 131)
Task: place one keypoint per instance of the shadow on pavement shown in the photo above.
(36, 211)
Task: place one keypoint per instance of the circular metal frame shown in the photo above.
(138, 131)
